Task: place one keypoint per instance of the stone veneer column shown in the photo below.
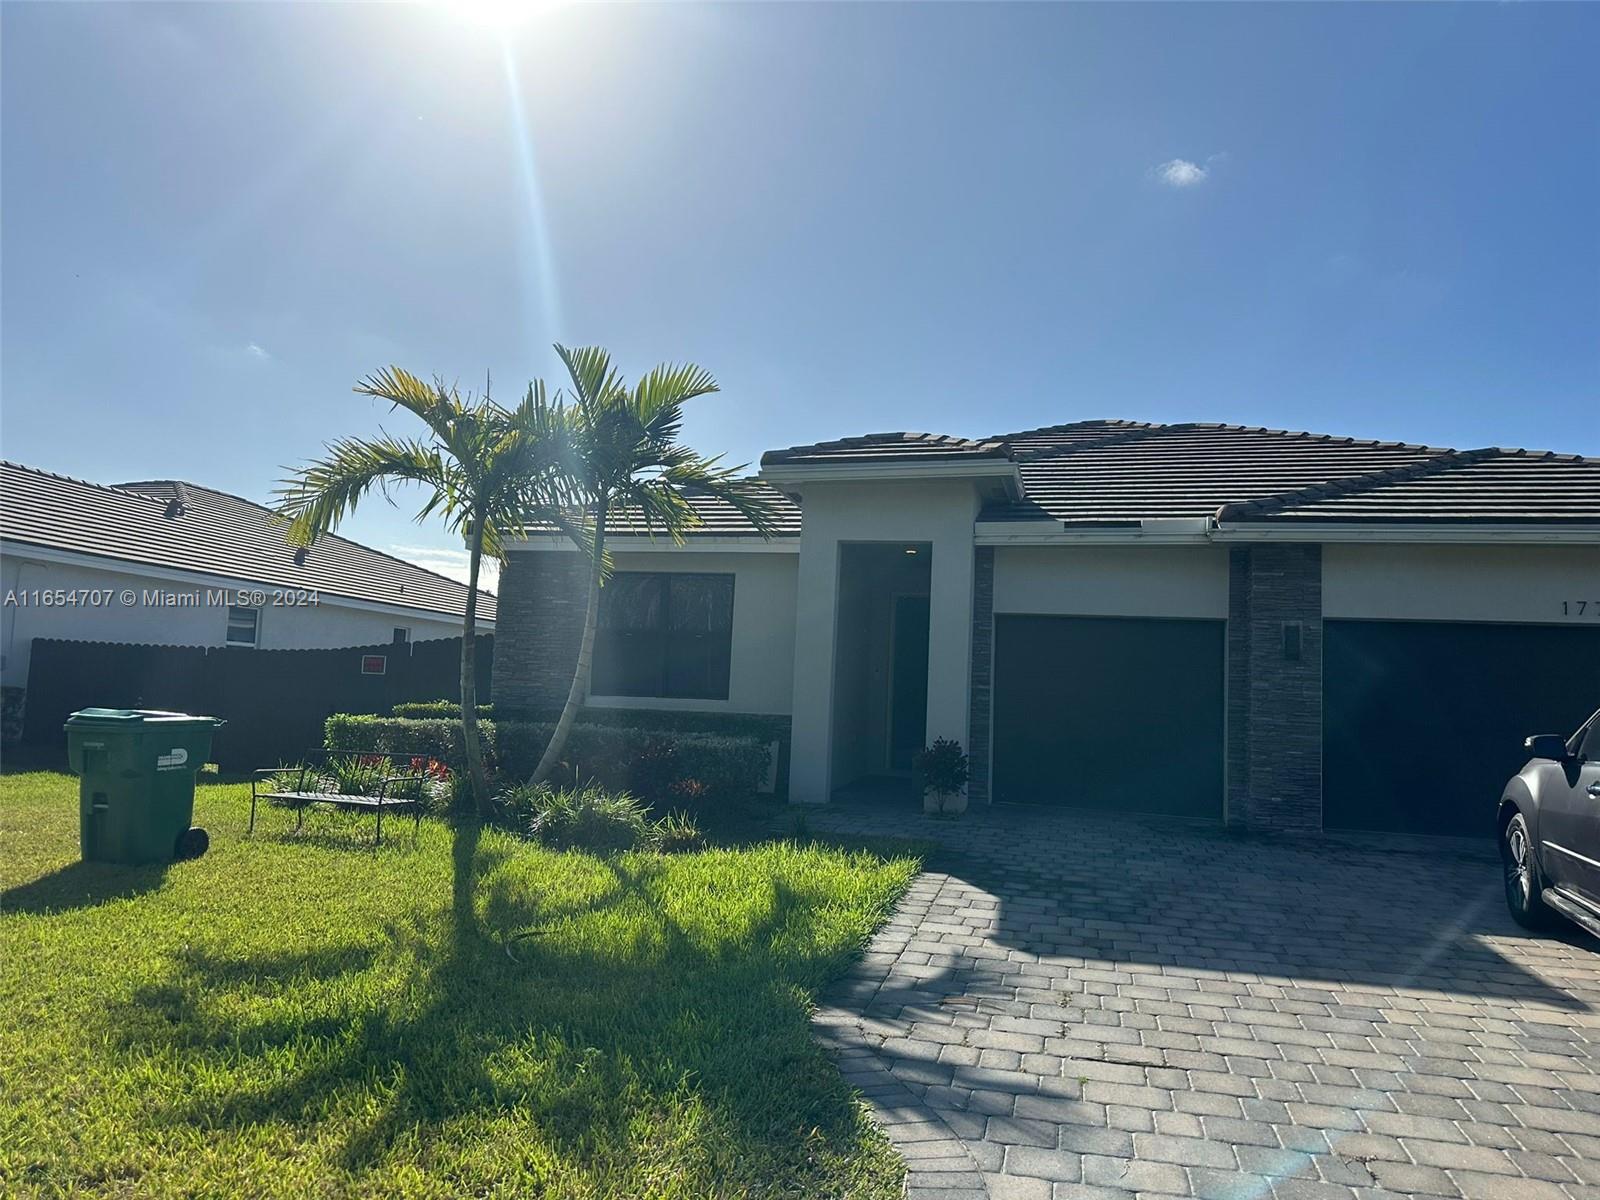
(539, 626)
(1274, 700)
(982, 676)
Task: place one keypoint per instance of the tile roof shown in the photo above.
(1496, 486)
(1114, 472)
(1051, 438)
(718, 518)
(888, 447)
(1189, 470)
(181, 526)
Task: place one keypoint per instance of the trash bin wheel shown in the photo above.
(191, 843)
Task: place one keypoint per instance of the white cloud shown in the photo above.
(1181, 173)
(449, 562)
(256, 351)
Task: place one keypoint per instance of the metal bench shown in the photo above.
(356, 781)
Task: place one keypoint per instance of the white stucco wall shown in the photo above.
(761, 674)
(939, 513)
(1112, 581)
(1532, 584)
(329, 624)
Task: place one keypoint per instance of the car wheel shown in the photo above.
(1523, 885)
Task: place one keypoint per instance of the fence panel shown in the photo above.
(274, 701)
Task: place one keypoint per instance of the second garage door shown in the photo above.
(1109, 713)
(1423, 721)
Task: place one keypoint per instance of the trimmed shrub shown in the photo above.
(942, 767)
(698, 771)
(425, 709)
(942, 770)
(762, 727)
(588, 818)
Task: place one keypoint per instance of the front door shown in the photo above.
(908, 680)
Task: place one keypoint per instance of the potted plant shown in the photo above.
(942, 769)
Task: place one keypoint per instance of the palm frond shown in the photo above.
(595, 382)
(319, 495)
(433, 404)
(751, 498)
(660, 507)
(669, 386)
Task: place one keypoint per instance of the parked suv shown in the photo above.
(1550, 831)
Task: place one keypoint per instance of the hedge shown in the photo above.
(665, 767)
(767, 727)
(764, 727)
(436, 708)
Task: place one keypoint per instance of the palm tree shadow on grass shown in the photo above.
(664, 1019)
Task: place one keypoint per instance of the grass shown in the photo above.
(469, 1015)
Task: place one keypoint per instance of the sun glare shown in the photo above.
(496, 14)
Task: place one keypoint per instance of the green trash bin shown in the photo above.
(136, 772)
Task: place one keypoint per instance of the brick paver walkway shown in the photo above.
(1077, 1008)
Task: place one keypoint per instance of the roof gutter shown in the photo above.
(1463, 534)
(709, 543)
(1150, 531)
(1201, 531)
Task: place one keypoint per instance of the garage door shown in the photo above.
(1109, 713)
(1423, 722)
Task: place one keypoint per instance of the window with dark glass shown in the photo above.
(243, 625)
(664, 634)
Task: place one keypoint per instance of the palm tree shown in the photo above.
(626, 460)
(485, 469)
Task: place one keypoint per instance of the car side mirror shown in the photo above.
(1546, 745)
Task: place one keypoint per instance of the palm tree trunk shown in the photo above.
(579, 691)
(469, 677)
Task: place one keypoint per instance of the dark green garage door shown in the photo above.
(1423, 721)
(1109, 713)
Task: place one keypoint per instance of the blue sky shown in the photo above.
(1359, 219)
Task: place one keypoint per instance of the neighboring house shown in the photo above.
(170, 563)
(1280, 630)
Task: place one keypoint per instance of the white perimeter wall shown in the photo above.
(1112, 581)
(761, 677)
(1525, 584)
(327, 625)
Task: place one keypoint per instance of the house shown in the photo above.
(169, 563)
(1280, 630)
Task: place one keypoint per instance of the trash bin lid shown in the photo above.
(114, 718)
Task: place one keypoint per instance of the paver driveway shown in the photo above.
(1076, 1007)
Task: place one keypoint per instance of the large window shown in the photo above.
(664, 634)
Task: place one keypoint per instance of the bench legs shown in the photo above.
(300, 817)
(416, 822)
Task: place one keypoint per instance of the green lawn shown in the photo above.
(467, 1016)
